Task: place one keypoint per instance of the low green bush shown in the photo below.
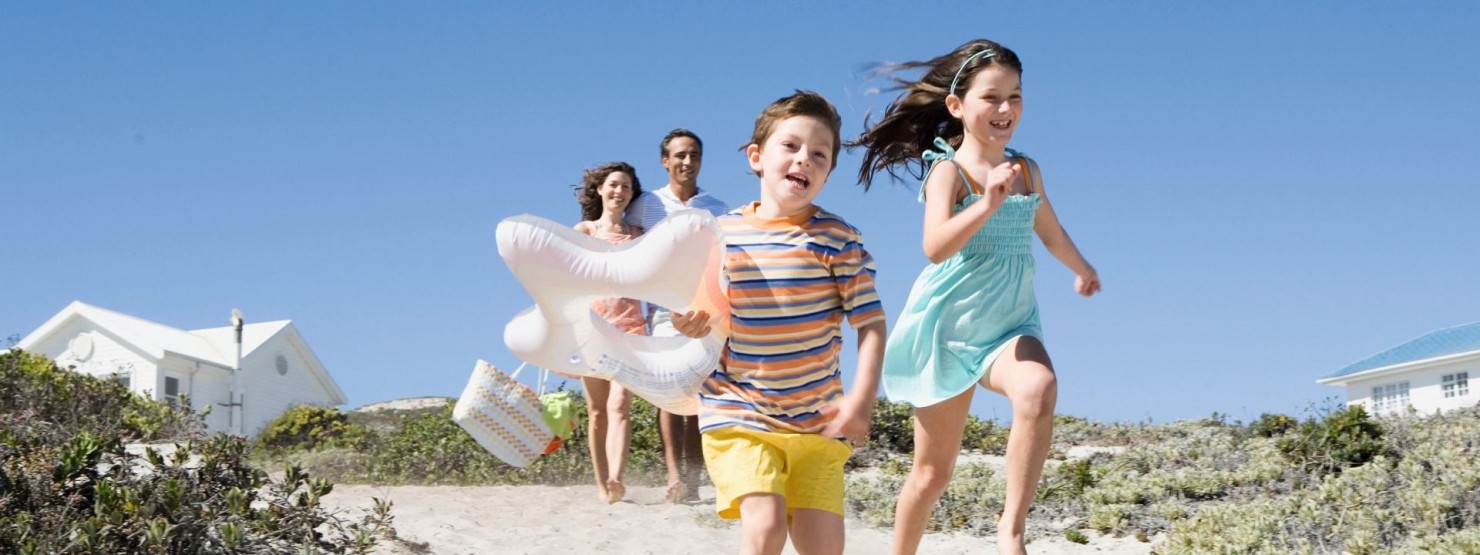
(426, 447)
(68, 484)
(1343, 439)
(1271, 425)
(308, 427)
(1076, 536)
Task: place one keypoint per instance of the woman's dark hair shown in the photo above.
(586, 193)
(913, 121)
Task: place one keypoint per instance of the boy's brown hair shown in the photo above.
(800, 103)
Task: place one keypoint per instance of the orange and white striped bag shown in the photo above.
(503, 415)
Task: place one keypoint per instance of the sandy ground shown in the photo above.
(546, 519)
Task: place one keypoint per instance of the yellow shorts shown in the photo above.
(806, 469)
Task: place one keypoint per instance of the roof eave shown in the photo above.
(1421, 364)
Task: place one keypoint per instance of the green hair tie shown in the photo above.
(985, 53)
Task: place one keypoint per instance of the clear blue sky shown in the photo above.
(1270, 190)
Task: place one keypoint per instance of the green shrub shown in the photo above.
(1075, 536)
(985, 436)
(55, 404)
(1343, 439)
(69, 485)
(426, 447)
(308, 427)
(893, 427)
(971, 502)
(1271, 425)
(1406, 484)
(1114, 518)
(893, 431)
(1069, 479)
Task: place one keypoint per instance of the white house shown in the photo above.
(1429, 373)
(277, 368)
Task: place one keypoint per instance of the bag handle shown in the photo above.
(515, 373)
(544, 376)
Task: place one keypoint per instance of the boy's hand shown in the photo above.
(691, 323)
(849, 422)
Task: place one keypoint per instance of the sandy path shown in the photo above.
(547, 519)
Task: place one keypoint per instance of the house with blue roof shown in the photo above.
(1430, 373)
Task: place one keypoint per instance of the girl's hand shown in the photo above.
(691, 323)
(1087, 283)
(999, 184)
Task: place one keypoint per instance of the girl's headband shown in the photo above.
(983, 54)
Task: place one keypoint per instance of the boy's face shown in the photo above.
(793, 163)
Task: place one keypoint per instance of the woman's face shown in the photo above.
(615, 192)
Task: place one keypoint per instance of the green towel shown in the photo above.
(557, 409)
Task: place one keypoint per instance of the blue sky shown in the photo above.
(1269, 190)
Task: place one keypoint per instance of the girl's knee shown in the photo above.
(1035, 394)
(932, 480)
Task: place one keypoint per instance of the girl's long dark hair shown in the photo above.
(913, 121)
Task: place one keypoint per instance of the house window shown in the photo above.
(172, 391)
(1390, 398)
(123, 379)
(1456, 385)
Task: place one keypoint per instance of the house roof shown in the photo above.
(1451, 341)
(212, 345)
(253, 336)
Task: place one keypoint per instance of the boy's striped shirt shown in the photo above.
(791, 283)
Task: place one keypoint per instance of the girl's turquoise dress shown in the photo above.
(963, 310)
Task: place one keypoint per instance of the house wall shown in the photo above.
(109, 356)
(207, 385)
(269, 393)
(1425, 387)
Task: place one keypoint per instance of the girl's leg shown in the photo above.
(619, 436)
(938, 430)
(670, 426)
(1025, 375)
(816, 532)
(597, 391)
(762, 524)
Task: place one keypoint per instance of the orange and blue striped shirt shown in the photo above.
(791, 282)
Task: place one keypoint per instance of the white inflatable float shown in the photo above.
(676, 264)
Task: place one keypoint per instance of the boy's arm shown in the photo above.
(855, 413)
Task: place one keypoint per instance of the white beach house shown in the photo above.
(1429, 373)
(247, 378)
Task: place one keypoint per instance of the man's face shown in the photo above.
(683, 160)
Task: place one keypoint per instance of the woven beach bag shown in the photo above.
(503, 415)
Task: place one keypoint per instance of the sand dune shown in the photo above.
(546, 519)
